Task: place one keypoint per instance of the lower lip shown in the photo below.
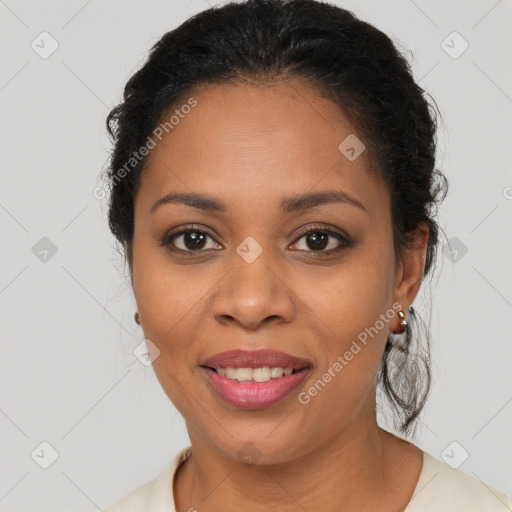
(255, 395)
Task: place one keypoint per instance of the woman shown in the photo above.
(274, 187)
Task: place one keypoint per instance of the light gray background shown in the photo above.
(67, 372)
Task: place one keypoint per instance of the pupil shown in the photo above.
(319, 242)
(197, 239)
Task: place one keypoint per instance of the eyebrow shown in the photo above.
(287, 205)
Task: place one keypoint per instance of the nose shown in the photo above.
(254, 294)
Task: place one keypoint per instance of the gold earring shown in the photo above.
(403, 323)
(398, 340)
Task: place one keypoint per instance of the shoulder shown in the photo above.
(442, 488)
(157, 494)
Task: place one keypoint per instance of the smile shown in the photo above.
(255, 388)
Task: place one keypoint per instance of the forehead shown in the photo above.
(249, 144)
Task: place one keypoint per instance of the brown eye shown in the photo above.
(323, 240)
(193, 240)
(189, 240)
(317, 240)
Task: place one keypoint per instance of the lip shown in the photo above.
(255, 395)
(255, 359)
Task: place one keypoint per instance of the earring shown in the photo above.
(137, 318)
(399, 339)
(403, 323)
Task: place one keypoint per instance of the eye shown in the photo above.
(191, 239)
(320, 239)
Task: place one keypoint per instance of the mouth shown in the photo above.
(255, 379)
(256, 391)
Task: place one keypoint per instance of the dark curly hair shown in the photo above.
(348, 61)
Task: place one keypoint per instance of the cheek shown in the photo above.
(163, 299)
(164, 291)
(352, 347)
(353, 311)
(167, 303)
(351, 297)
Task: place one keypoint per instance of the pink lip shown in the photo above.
(255, 395)
(255, 359)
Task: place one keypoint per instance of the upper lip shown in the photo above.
(255, 359)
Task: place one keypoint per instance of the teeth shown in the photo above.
(243, 374)
(263, 374)
(231, 373)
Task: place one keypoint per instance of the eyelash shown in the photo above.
(167, 239)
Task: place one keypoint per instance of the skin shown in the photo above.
(250, 146)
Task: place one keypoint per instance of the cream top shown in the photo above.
(440, 488)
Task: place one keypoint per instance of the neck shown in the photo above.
(357, 469)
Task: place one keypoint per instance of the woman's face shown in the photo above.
(255, 280)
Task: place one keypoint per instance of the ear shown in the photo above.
(410, 270)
